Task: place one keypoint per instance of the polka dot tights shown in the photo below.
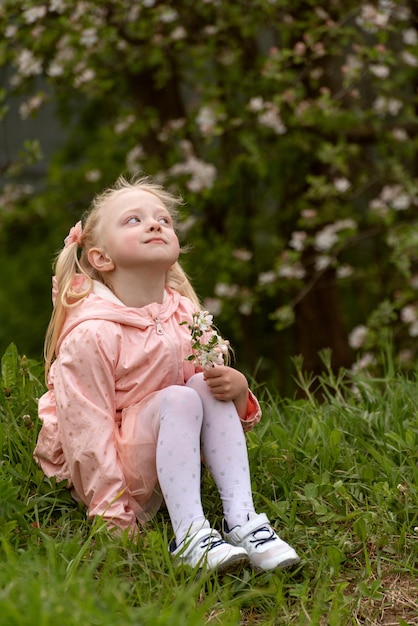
(194, 424)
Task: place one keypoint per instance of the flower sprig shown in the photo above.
(215, 351)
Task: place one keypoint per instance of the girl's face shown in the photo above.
(137, 231)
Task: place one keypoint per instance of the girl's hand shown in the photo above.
(227, 383)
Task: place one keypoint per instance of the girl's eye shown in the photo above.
(132, 219)
(164, 220)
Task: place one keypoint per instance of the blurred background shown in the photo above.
(289, 129)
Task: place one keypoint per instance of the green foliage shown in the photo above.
(291, 128)
(337, 475)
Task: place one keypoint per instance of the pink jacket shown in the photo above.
(111, 359)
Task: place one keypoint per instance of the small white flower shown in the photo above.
(399, 134)
(271, 118)
(35, 13)
(410, 37)
(203, 320)
(298, 240)
(58, 6)
(292, 271)
(401, 202)
(266, 278)
(341, 184)
(381, 71)
(408, 314)
(409, 58)
(28, 64)
(214, 351)
(10, 31)
(326, 238)
(357, 336)
(93, 175)
(344, 271)
(206, 120)
(88, 37)
(223, 290)
(256, 104)
(242, 255)
(323, 261)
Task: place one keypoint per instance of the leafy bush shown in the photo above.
(291, 128)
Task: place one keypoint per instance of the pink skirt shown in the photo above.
(136, 444)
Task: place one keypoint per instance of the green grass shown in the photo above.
(337, 476)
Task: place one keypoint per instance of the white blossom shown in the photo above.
(409, 58)
(256, 104)
(298, 240)
(399, 134)
(88, 37)
(271, 118)
(401, 202)
(206, 120)
(224, 290)
(387, 106)
(93, 175)
(168, 15)
(326, 238)
(341, 184)
(10, 31)
(31, 105)
(381, 71)
(124, 124)
(357, 336)
(178, 33)
(266, 278)
(410, 37)
(364, 362)
(87, 75)
(242, 255)
(33, 14)
(202, 174)
(408, 314)
(323, 261)
(214, 305)
(292, 271)
(55, 69)
(28, 64)
(58, 6)
(133, 158)
(344, 271)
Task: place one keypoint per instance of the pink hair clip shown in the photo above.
(74, 236)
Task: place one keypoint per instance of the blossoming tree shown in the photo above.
(290, 126)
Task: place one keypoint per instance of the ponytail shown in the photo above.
(68, 292)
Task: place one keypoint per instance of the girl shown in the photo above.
(128, 413)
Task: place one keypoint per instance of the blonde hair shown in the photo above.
(69, 267)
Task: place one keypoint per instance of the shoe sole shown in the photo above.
(231, 564)
(286, 563)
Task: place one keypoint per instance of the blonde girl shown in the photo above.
(129, 411)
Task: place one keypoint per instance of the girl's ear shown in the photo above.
(100, 260)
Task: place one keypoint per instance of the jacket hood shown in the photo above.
(103, 305)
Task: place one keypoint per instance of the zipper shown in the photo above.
(158, 327)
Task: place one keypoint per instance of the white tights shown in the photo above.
(193, 423)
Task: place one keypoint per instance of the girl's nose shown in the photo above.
(154, 225)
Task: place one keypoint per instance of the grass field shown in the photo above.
(338, 476)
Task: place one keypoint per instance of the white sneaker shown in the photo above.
(204, 547)
(265, 549)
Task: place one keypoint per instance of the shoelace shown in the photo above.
(211, 541)
(260, 541)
